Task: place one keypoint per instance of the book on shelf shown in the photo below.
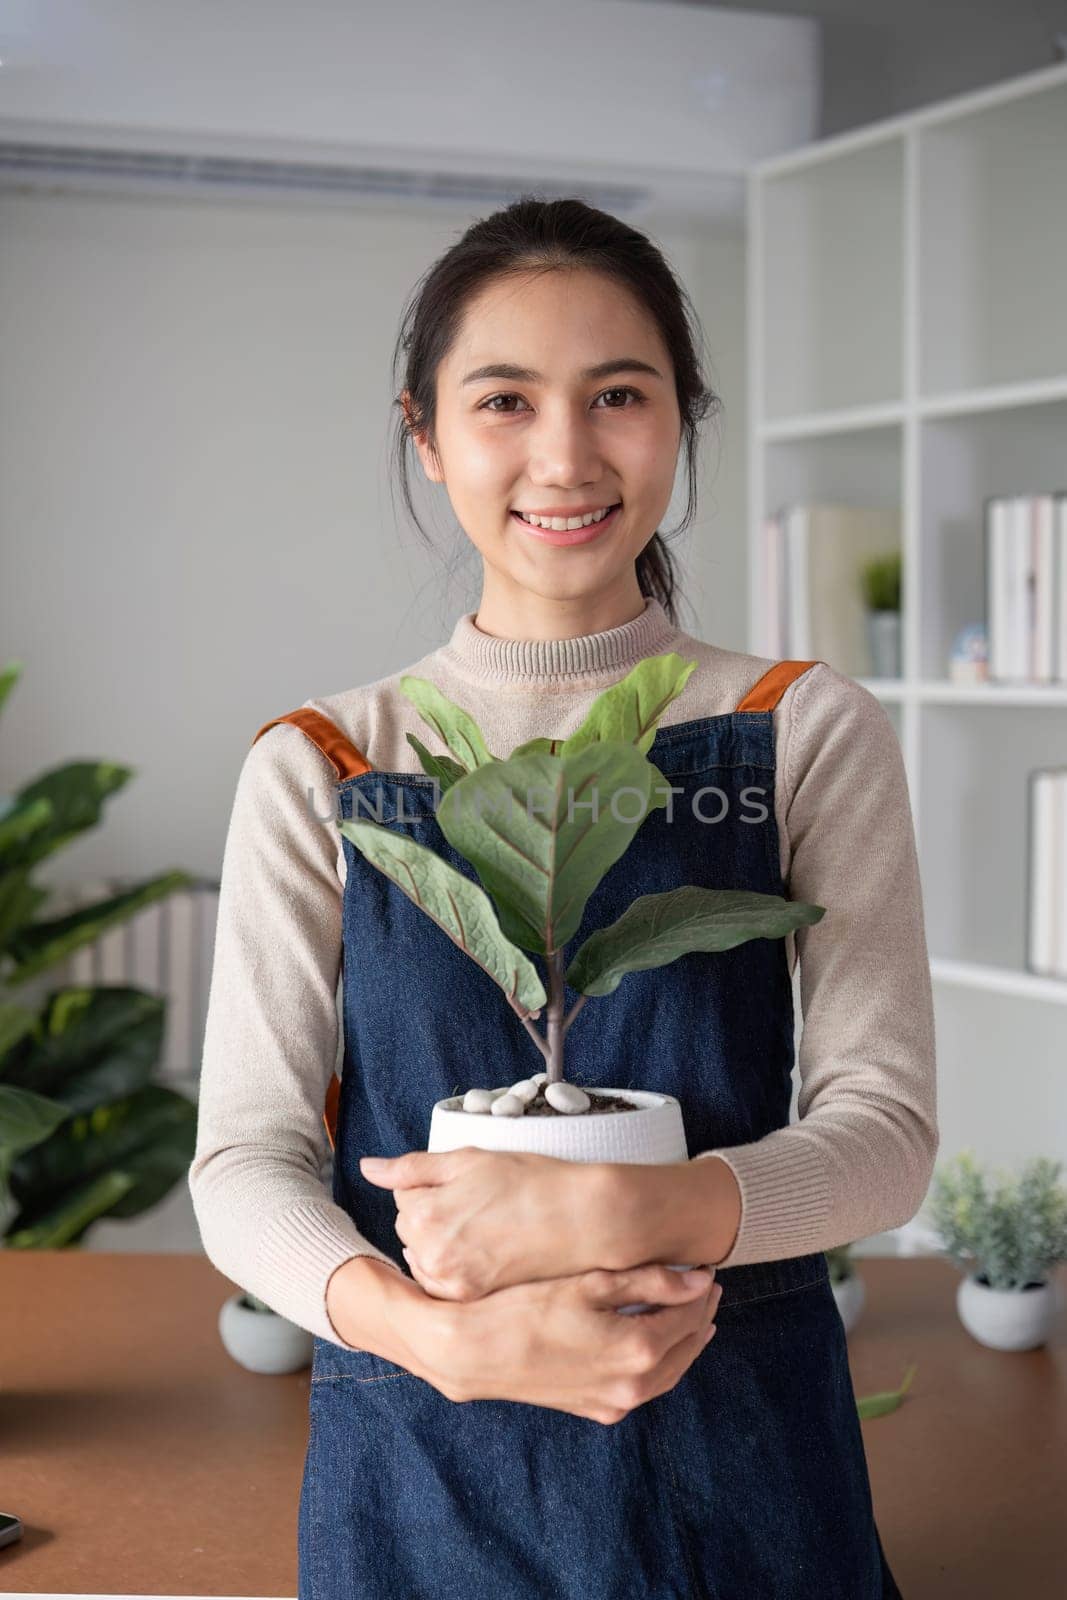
(1047, 873)
(813, 555)
(1026, 587)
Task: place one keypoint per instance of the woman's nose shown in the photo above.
(564, 451)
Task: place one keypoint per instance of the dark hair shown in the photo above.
(543, 235)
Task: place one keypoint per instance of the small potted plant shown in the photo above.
(881, 594)
(848, 1287)
(541, 829)
(258, 1338)
(1008, 1241)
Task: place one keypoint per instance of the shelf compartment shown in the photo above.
(993, 247)
(965, 459)
(1000, 1075)
(973, 841)
(833, 318)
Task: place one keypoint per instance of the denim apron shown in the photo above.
(748, 1479)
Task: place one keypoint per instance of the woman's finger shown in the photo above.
(656, 1283)
(411, 1170)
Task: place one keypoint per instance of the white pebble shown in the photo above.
(477, 1100)
(567, 1097)
(507, 1105)
(539, 1077)
(525, 1090)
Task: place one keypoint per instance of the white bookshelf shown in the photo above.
(908, 348)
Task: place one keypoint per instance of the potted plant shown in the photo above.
(847, 1285)
(257, 1337)
(1008, 1241)
(84, 1131)
(552, 833)
(881, 580)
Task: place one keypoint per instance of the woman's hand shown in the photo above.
(562, 1343)
(473, 1221)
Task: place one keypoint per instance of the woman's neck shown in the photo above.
(508, 612)
(494, 658)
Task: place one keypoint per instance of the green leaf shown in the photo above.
(26, 1119)
(457, 905)
(541, 832)
(65, 1222)
(76, 792)
(550, 747)
(22, 819)
(630, 709)
(95, 1044)
(20, 900)
(15, 1023)
(452, 725)
(443, 768)
(658, 928)
(9, 676)
(879, 1405)
(38, 945)
(149, 1134)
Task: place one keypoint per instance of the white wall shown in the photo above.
(195, 517)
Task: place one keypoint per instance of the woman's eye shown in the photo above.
(625, 389)
(487, 405)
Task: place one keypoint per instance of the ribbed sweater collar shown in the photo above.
(492, 659)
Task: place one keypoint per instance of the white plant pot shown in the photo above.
(1007, 1319)
(851, 1297)
(263, 1341)
(655, 1134)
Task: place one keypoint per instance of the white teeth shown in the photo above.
(563, 524)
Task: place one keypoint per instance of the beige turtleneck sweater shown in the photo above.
(860, 1157)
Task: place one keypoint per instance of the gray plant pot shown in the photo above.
(883, 641)
(850, 1295)
(263, 1341)
(1008, 1319)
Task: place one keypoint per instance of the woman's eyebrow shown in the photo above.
(604, 369)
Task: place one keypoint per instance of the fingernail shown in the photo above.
(697, 1279)
(373, 1162)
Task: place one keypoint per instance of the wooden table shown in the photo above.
(142, 1459)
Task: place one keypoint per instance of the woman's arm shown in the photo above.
(266, 1218)
(860, 1158)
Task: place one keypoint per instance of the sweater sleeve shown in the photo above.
(860, 1158)
(266, 1217)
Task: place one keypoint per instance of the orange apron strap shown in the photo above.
(329, 1116)
(765, 694)
(346, 759)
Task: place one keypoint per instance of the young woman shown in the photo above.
(485, 1425)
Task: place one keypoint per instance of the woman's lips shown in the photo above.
(568, 535)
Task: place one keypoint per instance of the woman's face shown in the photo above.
(551, 435)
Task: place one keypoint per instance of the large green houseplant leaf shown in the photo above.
(84, 1131)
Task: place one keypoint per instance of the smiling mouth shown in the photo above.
(580, 535)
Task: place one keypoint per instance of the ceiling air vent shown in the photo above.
(40, 166)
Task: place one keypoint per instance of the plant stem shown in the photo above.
(554, 1036)
(535, 1036)
(573, 1012)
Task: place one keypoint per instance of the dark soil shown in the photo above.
(602, 1105)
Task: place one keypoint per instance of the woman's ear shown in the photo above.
(430, 465)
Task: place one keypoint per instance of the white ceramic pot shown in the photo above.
(851, 1296)
(263, 1341)
(654, 1134)
(1007, 1319)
